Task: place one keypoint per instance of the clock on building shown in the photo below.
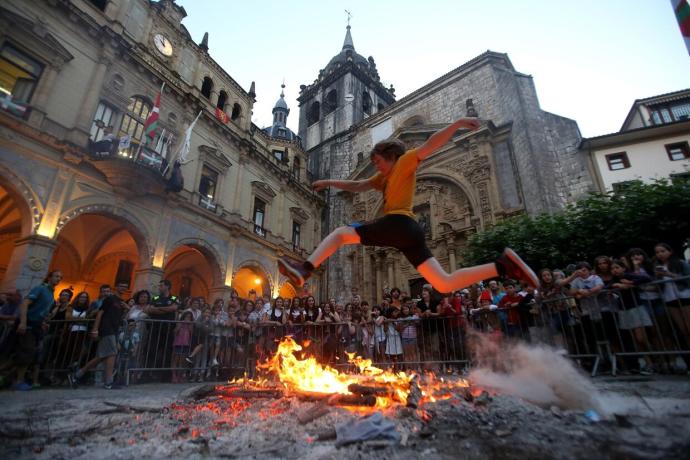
(163, 45)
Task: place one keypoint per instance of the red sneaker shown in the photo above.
(297, 273)
(511, 266)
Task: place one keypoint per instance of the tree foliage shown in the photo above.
(640, 215)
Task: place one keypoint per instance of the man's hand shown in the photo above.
(320, 185)
(94, 334)
(21, 329)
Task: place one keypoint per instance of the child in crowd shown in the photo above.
(394, 346)
(182, 344)
(510, 303)
(408, 334)
(379, 332)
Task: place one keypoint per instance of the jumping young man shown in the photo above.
(396, 179)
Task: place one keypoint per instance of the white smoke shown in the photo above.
(535, 373)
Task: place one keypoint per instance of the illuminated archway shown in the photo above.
(193, 271)
(287, 290)
(13, 217)
(97, 249)
(251, 277)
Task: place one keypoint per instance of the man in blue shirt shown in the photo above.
(32, 314)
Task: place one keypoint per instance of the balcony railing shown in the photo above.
(208, 203)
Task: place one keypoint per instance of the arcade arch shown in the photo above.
(193, 270)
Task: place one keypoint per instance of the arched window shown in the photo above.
(207, 87)
(331, 102)
(314, 113)
(222, 98)
(133, 122)
(366, 103)
(236, 111)
(380, 107)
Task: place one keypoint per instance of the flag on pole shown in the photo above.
(159, 144)
(151, 123)
(186, 143)
(682, 10)
(222, 116)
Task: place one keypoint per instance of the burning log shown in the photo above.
(311, 395)
(254, 393)
(352, 400)
(364, 390)
(314, 412)
(415, 394)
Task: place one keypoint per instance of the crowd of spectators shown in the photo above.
(633, 304)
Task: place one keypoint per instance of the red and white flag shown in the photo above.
(222, 116)
(151, 123)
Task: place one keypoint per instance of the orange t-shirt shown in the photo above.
(399, 186)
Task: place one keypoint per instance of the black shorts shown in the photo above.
(397, 231)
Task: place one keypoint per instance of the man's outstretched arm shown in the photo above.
(347, 185)
(440, 138)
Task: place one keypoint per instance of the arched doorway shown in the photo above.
(251, 277)
(11, 226)
(193, 271)
(97, 249)
(287, 290)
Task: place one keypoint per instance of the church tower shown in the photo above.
(279, 129)
(346, 91)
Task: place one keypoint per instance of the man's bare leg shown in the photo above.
(442, 281)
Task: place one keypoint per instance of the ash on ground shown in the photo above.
(644, 418)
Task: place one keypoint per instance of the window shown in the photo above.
(331, 102)
(278, 154)
(124, 273)
(236, 112)
(259, 217)
(617, 161)
(679, 151)
(133, 122)
(102, 119)
(379, 107)
(681, 111)
(314, 113)
(208, 183)
(296, 229)
(366, 103)
(100, 4)
(18, 74)
(207, 87)
(222, 98)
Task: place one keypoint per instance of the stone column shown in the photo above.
(29, 263)
(391, 275)
(379, 280)
(451, 253)
(80, 132)
(147, 278)
(41, 96)
(219, 292)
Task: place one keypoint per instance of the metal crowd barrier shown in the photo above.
(649, 323)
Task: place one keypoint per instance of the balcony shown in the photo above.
(131, 173)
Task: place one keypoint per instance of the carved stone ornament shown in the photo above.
(36, 264)
(263, 190)
(299, 214)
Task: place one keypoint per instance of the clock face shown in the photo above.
(163, 45)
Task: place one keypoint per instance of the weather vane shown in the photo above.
(349, 15)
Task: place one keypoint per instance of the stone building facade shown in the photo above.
(73, 68)
(523, 159)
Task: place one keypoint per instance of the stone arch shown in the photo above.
(255, 265)
(27, 201)
(286, 288)
(209, 253)
(128, 219)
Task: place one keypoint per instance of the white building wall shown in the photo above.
(648, 161)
